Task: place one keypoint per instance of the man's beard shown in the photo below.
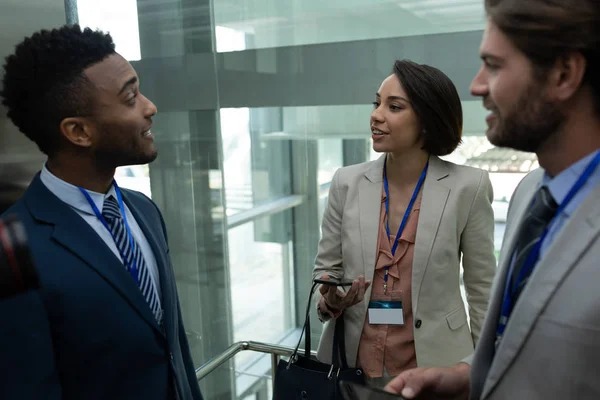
(532, 121)
(120, 149)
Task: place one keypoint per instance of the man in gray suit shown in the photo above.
(541, 338)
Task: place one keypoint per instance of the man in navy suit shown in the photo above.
(106, 323)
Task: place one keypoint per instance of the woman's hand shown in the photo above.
(335, 300)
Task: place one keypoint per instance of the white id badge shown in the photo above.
(386, 312)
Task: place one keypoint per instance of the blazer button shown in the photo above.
(418, 323)
(171, 356)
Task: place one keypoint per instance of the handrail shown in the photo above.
(276, 351)
(265, 209)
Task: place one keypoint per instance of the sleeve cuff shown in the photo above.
(468, 360)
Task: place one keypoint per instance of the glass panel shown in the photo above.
(301, 22)
(331, 157)
(253, 380)
(235, 136)
(134, 177)
(119, 17)
(261, 280)
(259, 103)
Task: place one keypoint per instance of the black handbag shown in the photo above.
(304, 378)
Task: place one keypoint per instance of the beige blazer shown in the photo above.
(456, 218)
(551, 346)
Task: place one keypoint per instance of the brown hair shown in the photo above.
(545, 30)
(436, 103)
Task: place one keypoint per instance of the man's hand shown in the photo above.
(336, 300)
(433, 383)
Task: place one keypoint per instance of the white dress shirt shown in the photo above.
(71, 195)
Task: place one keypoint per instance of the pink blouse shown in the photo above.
(392, 346)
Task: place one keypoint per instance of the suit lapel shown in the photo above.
(482, 378)
(151, 232)
(434, 198)
(561, 258)
(369, 207)
(73, 233)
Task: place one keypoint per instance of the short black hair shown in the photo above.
(436, 103)
(44, 82)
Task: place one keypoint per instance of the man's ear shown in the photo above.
(77, 131)
(567, 74)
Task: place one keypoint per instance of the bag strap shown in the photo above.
(305, 329)
(339, 337)
(339, 343)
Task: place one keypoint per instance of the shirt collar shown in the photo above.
(71, 194)
(561, 184)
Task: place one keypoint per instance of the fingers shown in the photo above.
(396, 385)
(334, 298)
(324, 307)
(409, 383)
(350, 295)
(323, 289)
(356, 294)
(360, 295)
(337, 299)
(361, 288)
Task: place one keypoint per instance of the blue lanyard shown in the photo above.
(532, 258)
(404, 219)
(131, 267)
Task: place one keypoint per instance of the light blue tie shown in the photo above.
(132, 256)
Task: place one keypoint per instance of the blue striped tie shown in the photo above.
(132, 256)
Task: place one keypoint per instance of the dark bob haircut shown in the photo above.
(436, 103)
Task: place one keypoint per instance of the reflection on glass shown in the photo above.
(250, 140)
(235, 136)
(134, 177)
(119, 17)
(302, 22)
(331, 157)
(260, 283)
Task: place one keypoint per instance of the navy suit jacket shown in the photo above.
(88, 333)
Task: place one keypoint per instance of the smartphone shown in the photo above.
(354, 391)
(332, 282)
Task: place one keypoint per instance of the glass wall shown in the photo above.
(259, 103)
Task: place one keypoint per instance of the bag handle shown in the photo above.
(305, 328)
(339, 343)
(339, 339)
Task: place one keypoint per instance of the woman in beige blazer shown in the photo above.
(417, 117)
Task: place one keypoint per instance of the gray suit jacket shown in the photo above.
(551, 346)
(456, 217)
